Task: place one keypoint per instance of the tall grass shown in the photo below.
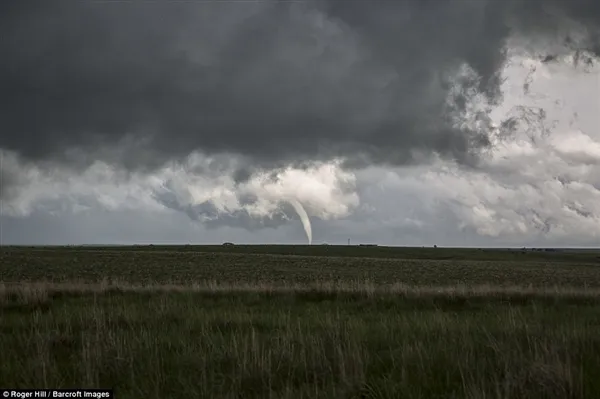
(326, 340)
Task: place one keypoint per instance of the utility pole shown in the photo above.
(348, 241)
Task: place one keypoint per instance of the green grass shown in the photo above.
(172, 323)
(149, 265)
(566, 255)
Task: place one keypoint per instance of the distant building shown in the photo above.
(228, 244)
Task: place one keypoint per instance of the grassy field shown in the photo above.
(301, 322)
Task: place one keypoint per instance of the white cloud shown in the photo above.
(324, 189)
(541, 182)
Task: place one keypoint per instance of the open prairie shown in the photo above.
(302, 322)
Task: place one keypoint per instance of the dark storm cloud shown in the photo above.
(274, 82)
(9, 180)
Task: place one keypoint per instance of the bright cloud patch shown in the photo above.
(543, 179)
(325, 190)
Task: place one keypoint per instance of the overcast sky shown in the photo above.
(462, 123)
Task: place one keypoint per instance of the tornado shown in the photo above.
(303, 218)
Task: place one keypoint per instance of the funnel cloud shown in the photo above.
(303, 218)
